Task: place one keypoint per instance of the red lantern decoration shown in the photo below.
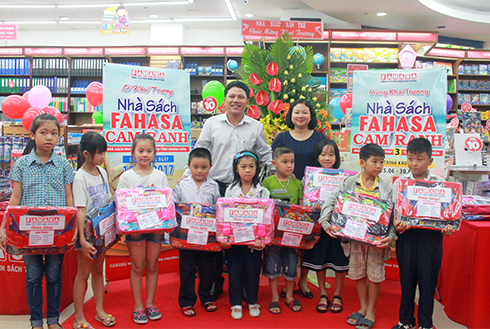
(53, 111)
(272, 69)
(275, 85)
(253, 112)
(276, 106)
(346, 102)
(29, 116)
(94, 93)
(14, 106)
(255, 80)
(262, 98)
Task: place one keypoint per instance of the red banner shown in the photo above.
(296, 29)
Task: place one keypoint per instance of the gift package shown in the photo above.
(145, 210)
(40, 230)
(429, 204)
(100, 231)
(295, 226)
(361, 217)
(245, 220)
(196, 227)
(320, 182)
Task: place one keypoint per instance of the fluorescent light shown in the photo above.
(79, 22)
(154, 16)
(103, 5)
(249, 15)
(157, 3)
(27, 6)
(191, 1)
(230, 9)
(63, 18)
(381, 14)
(148, 21)
(30, 22)
(202, 19)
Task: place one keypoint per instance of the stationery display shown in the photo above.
(319, 182)
(429, 204)
(196, 227)
(361, 218)
(245, 220)
(100, 231)
(40, 230)
(295, 226)
(145, 210)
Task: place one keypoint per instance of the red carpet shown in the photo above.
(118, 301)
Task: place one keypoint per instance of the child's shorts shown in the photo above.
(150, 237)
(277, 258)
(366, 260)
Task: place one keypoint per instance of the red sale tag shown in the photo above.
(210, 103)
(11, 84)
(473, 144)
(454, 123)
(466, 107)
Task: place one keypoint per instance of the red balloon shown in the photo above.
(53, 111)
(94, 93)
(26, 95)
(29, 116)
(346, 102)
(14, 106)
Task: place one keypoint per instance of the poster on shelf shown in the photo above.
(391, 107)
(152, 100)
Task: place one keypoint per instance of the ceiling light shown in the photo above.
(154, 16)
(249, 15)
(381, 14)
(30, 22)
(202, 19)
(159, 3)
(79, 22)
(103, 5)
(63, 18)
(230, 9)
(148, 21)
(27, 6)
(191, 1)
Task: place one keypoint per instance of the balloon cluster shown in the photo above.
(36, 101)
(338, 106)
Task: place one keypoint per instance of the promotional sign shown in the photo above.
(8, 31)
(296, 29)
(151, 100)
(115, 21)
(391, 107)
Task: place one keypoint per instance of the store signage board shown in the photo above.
(478, 54)
(391, 107)
(125, 51)
(83, 51)
(147, 99)
(8, 31)
(202, 51)
(296, 29)
(163, 50)
(43, 51)
(361, 35)
(10, 51)
(447, 53)
(234, 50)
(417, 36)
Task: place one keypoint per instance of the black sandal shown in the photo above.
(322, 307)
(336, 307)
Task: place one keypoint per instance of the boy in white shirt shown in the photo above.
(197, 187)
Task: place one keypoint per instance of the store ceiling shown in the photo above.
(401, 14)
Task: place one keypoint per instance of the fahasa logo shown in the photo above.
(362, 208)
(398, 77)
(148, 74)
(244, 212)
(297, 224)
(15, 258)
(38, 220)
(430, 191)
(328, 178)
(145, 199)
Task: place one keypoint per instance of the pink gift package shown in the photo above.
(145, 210)
(245, 220)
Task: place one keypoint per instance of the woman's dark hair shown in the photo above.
(313, 120)
(319, 149)
(91, 142)
(141, 137)
(38, 120)
(236, 160)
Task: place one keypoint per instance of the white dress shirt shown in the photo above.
(187, 191)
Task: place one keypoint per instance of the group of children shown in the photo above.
(42, 178)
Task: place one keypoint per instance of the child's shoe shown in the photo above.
(403, 326)
(153, 313)
(425, 328)
(140, 317)
(254, 310)
(236, 312)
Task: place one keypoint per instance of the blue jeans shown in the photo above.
(38, 266)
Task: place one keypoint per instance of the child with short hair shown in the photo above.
(197, 187)
(419, 251)
(366, 262)
(244, 260)
(285, 188)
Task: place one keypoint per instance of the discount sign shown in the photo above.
(210, 103)
(473, 144)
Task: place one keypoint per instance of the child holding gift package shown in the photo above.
(244, 259)
(285, 188)
(327, 252)
(419, 251)
(144, 249)
(91, 192)
(366, 262)
(197, 187)
(42, 178)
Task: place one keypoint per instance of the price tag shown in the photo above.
(454, 123)
(197, 236)
(291, 239)
(355, 229)
(466, 107)
(149, 219)
(40, 238)
(244, 234)
(473, 144)
(210, 104)
(429, 209)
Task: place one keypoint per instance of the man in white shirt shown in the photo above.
(226, 135)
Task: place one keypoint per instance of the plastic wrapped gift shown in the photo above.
(296, 226)
(100, 231)
(145, 210)
(429, 204)
(320, 182)
(196, 228)
(361, 217)
(40, 230)
(245, 220)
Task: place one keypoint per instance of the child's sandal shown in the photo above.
(210, 306)
(188, 311)
(323, 307)
(336, 307)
